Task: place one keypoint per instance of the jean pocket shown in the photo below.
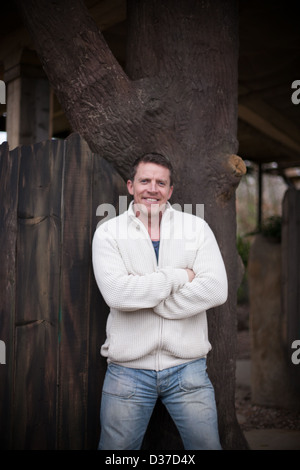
(193, 376)
(119, 382)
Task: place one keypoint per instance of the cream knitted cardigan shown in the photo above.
(157, 317)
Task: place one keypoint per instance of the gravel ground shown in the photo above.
(258, 417)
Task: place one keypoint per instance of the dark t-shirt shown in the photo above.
(156, 247)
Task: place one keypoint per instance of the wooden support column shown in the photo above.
(291, 276)
(291, 260)
(28, 101)
(260, 198)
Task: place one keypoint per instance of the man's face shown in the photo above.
(151, 187)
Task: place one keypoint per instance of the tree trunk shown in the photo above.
(191, 49)
(179, 97)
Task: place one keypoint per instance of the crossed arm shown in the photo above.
(172, 293)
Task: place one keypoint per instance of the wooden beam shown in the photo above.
(272, 127)
(107, 13)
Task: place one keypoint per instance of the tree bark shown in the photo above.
(178, 97)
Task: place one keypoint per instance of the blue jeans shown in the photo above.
(129, 396)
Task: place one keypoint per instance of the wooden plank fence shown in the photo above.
(52, 317)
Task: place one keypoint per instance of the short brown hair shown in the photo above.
(157, 158)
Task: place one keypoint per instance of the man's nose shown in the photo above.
(153, 187)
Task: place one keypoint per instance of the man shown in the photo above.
(158, 270)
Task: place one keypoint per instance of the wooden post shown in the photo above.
(37, 299)
(260, 196)
(75, 295)
(9, 170)
(28, 101)
(291, 276)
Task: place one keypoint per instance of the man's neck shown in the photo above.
(154, 228)
(151, 222)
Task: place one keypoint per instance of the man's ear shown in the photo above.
(130, 187)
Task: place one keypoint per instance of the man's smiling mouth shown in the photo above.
(150, 199)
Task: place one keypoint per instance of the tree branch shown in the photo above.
(170, 99)
(91, 86)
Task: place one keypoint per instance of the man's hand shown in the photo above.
(191, 274)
